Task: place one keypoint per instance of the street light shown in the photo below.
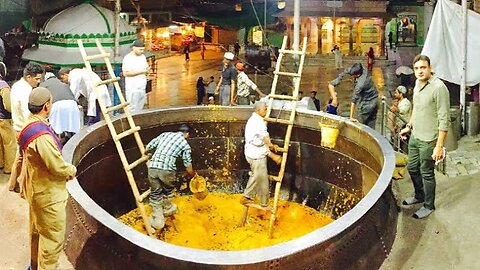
(238, 7)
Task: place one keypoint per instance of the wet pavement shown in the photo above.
(445, 240)
(176, 78)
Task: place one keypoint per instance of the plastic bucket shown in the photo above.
(329, 135)
(198, 186)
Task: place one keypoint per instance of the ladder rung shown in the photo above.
(117, 107)
(287, 73)
(290, 51)
(126, 133)
(281, 121)
(259, 207)
(282, 97)
(112, 80)
(96, 56)
(144, 195)
(273, 178)
(137, 162)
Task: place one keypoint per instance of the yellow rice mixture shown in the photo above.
(210, 224)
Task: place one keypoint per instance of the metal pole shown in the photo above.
(334, 23)
(296, 36)
(383, 113)
(464, 62)
(116, 51)
(265, 24)
(296, 25)
(118, 8)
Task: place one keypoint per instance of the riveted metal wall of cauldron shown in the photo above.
(361, 164)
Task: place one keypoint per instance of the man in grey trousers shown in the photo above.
(226, 85)
(365, 95)
(257, 149)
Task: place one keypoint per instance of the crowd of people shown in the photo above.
(39, 113)
(234, 87)
(32, 145)
(32, 156)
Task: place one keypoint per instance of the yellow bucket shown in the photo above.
(400, 159)
(198, 186)
(329, 135)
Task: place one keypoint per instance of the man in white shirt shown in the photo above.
(257, 148)
(402, 106)
(338, 57)
(32, 74)
(135, 69)
(81, 83)
(64, 117)
(303, 102)
(211, 88)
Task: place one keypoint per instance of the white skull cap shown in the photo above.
(228, 56)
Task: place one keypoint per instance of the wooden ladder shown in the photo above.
(288, 122)
(133, 130)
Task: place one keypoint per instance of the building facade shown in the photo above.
(353, 25)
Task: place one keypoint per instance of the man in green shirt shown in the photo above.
(428, 126)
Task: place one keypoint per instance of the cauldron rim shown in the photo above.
(243, 256)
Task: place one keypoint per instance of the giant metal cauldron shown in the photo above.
(360, 166)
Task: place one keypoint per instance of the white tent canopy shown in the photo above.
(443, 44)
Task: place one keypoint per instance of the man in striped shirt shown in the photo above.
(243, 86)
(166, 148)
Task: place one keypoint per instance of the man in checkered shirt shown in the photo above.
(166, 148)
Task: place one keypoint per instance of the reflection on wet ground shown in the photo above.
(176, 79)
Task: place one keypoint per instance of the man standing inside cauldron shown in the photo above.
(226, 85)
(43, 182)
(365, 95)
(166, 148)
(428, 126)
(257, 149)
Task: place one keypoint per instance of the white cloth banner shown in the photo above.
(444, 46)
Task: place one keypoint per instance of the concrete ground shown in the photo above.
(448, 238)
(445, 240)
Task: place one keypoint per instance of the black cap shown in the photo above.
(355, 69)
(184, 128)
(138, 43)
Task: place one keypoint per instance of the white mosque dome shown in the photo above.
(86, 19)
(57, 43)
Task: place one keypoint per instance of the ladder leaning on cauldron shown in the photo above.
(288, 122)
(133, 129)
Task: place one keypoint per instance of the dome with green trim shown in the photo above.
(86, 18)
(57, 43)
